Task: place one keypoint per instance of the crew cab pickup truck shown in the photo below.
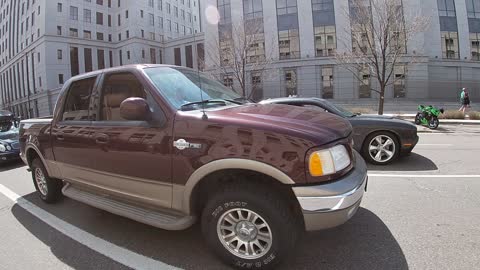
(167, 146)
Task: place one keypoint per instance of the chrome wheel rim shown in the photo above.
(382, 148)
(244, 233)
(41, 181)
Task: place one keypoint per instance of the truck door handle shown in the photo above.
(60, 136)
(102, 138)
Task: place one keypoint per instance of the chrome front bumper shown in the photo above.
(329, 205)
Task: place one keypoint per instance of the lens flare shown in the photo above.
(212, 15)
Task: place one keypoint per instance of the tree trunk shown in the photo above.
(381, 102)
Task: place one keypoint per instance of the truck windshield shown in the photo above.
(188, 88)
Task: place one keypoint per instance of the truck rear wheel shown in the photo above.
(249, 227)
(49, 189)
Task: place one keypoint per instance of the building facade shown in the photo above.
(302, 36)
(44, 43)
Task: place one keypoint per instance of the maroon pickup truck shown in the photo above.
(168, 146)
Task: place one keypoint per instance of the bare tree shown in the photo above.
(241, 49)
(380, 33)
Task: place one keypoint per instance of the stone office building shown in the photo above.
(303, 35)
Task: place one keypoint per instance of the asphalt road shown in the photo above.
(422, 212)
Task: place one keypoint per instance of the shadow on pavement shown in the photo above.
(412, 162)
(11, 165)
(364, 242)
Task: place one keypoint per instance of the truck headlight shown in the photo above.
(2, 148)
(328, 161)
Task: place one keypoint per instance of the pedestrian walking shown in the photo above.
(464, 100)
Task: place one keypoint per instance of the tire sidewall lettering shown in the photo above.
(227, 205)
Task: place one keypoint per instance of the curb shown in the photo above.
(451, 121)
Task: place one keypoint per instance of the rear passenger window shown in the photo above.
(116, 89)
(78, 100)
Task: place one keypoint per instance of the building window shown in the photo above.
(74, 13)
(160, 4)
(450, 48)
(176, 27)
(153, 57)
(87, 15)
(399, 89)
(110, 58)
(87, 34)
(74, 65)
(152, 35)
(473, 8)
(251, 9)
(475, 46)
(59, 30)
(109, 18)
(160, 22)
(228, 80)
(150, 3)
(128, 55)
(446, 8)
(189, 56)
(142, 32)
(168, 8)
(290, 76)
(257, 86)
(143, 53)
(141, 13)
(59, 54)
(100, 2)
(325, 41)
(126, 14)
(286, 7)
(119, 17)
(88, 59)
(177, 56)
(99, 36)
(151, 19)
(99, 18)
(128, 34)
(73, 32)
(289, 44)
(120, 57)
(175, 9)
(365, 88)
(110, 37)
(60, 79)
(59, 7)
(327, 82)
(119, 36)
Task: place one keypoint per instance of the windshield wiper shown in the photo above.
(242, 100)
(203, 102)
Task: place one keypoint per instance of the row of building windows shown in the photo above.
(325, 83)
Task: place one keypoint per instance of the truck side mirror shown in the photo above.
(135, 109)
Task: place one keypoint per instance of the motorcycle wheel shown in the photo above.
(417, 119)
(433, 123)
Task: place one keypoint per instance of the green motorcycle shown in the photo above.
(428, 116)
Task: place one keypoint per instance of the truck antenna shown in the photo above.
(204, 114)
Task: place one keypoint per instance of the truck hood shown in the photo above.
(320, 128)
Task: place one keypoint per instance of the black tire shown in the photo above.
(283, 225)
(417, 119)
(433, 123)
(53, 192)
(366, 145)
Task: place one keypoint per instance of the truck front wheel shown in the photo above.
(49, 189)
(249, 227)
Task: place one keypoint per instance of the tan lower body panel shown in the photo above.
(154, 193)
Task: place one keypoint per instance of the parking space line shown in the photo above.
(422, 175)
(110, 250)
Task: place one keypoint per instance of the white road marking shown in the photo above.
(112, 251)
(434, 144)
(422, 175)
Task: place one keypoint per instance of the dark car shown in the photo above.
(380, 139)
(9, 146)
(168, 146)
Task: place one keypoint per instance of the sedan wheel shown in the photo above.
(381, 148)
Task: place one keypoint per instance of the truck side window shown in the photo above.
(78, 100)
(118, 87)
